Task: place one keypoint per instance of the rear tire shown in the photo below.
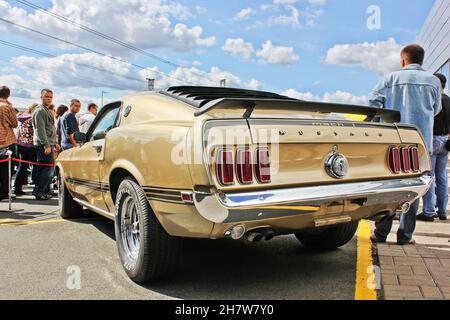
(328, 238)
(68, 208)
(146, 251)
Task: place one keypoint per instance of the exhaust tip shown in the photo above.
(236, 232)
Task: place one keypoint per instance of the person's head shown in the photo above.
(32, 108)
(412, 54)
(4, 92)
(46, 97)
(92, 108)
(75, 106)
(61, 110)
(443, 80)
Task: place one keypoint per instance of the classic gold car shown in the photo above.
(200, 162)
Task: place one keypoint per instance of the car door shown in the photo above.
(86, 160)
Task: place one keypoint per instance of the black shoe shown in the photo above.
(19, 193)
(425, 218)
(6, 197)
(443, 218)
(42, 197)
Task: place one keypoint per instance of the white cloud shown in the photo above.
(336, 97)
(317, 2)
(146, 24)
(199, 77)
(292, 19)
(238, 48)
(272, 54)
(64, 71)
(380, 57)
(244, 14)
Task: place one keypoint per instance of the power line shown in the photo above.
(90, 50)
(48, 55)
(98, 33)
(104, 36)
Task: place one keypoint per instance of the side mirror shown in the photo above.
(100, 135)
(79, 137)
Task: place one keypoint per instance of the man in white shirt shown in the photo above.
(87, 119)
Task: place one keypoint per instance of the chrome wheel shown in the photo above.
(130, 230)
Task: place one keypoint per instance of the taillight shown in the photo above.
(394, 160)
(405, 159)
(244, 168)
(415, 161)
(225, 166)
(262, 166)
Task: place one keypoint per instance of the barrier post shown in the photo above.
(9, 153)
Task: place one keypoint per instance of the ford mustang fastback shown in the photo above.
(204, 162)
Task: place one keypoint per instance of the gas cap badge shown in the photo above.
(337, 165)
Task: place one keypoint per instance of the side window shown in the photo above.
(106, 123)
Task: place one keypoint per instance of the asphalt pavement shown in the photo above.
(40, 256)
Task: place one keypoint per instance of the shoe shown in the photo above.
(6, 197)
(425, 218)
(42, 197)
(19, 193)
(410, 242)
(374, 239)
(443, 218)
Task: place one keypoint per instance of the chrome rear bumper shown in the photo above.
(270, 204)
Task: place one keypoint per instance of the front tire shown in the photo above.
(328, 238)
(68, 208)
(146, 251)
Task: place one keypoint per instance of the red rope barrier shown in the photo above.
(28, 162)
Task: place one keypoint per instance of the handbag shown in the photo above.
(440, 145)
(447, 145)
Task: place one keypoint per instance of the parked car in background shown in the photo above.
(201, 162)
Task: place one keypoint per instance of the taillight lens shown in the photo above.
(244, 168)
(394, 160)
(405, 159)
(415, 161)
(225, 166)
(262, 166)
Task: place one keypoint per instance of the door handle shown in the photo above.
(98, 148)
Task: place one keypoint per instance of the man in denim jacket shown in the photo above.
(417, 95)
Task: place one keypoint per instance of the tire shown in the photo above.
(68, 208)
(146, 251)
(328, 238)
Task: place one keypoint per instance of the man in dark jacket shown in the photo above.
(438, 194)
(45, 141)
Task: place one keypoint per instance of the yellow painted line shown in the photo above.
(4, 223)
(365, 273)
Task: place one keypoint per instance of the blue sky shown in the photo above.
(317, 49)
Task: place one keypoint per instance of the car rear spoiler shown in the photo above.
(249, 105)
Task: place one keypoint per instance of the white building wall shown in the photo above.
(435, 36)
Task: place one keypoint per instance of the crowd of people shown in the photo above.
(37, 136)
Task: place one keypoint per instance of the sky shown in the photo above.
(321, 50)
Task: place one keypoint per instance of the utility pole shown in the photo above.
(103, 94)
(151, 84)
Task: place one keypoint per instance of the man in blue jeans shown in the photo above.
(438, 194)
(417, 95)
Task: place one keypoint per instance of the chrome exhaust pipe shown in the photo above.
(254, 236)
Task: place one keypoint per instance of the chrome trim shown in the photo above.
(269, 204)
(102, 212)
